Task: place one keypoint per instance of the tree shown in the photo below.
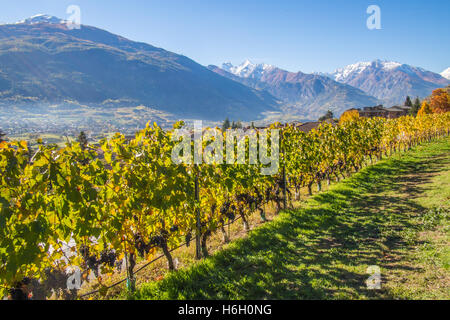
(226, 124)
(415, 107)
(426, 109)
(2, 134)
(82, 139)
(440, 101)
(236, 125)
(349, 115)
(328, 115)
(408, 102)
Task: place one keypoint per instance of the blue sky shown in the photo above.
(297, 35)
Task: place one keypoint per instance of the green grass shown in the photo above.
(385, 215)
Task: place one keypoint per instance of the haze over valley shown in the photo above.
(57, 80)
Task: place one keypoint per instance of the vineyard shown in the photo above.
(128, 200)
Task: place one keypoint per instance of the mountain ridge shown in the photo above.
(305, 95)
(446, 73)
(389, 81)
(44, 61)
(47, 62)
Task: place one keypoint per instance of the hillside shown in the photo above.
(387, 215)
(390, 81)
(446, 73)
(42, 61)
(306, 95)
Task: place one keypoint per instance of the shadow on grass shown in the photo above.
(322, 250)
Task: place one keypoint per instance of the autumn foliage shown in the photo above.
(440, 101)
(349, 115)
(425, 109)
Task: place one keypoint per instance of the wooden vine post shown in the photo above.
(129, 265)
(283, 151)
(284, 188)
(198, 247)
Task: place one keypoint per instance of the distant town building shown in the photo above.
(380, 111)
(308, 126)
(398, 111)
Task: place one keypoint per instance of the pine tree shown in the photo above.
(226, 124)
(408, 102)
(415, 107)
(82, 139)
(328, 115)
(2, 134)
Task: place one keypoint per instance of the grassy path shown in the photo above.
(380, 216)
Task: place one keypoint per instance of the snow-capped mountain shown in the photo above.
(42, 18)
(44, 62)
(446, 73)
(306, 95)
(247, 69)
(352, 70)
(390, 81)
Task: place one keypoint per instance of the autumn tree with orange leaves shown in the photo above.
(440, 101)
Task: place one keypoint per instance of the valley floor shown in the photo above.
(394, 215)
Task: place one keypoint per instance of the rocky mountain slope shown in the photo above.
(305, 95)
(390, 81)
(42, 61)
